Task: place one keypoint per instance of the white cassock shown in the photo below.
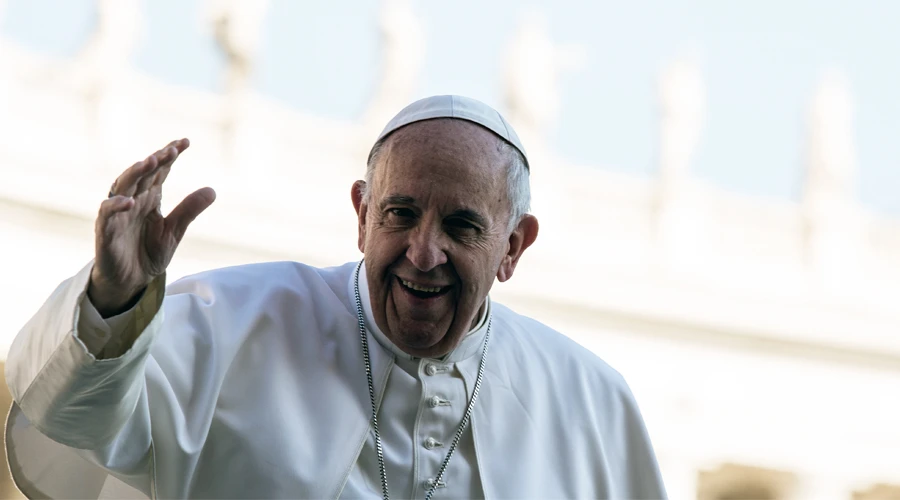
(249, 382)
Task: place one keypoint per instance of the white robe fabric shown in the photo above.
(426, 399)
(249, 382)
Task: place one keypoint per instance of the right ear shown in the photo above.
(358, 196)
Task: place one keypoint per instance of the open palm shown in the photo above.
(134, 242)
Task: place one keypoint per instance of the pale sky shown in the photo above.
(761, 61)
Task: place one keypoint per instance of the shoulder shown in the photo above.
(546, 350)
(250, 283)
(263, 275)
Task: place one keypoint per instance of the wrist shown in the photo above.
(111, 300)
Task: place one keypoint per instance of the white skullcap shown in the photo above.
(459, 107)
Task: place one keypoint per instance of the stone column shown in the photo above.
(402, 52)
(114, 108)
(534, 67)
(535, 64)
(833, 225)
(237, 29)
(679, 206)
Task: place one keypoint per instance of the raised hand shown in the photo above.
(134, 242)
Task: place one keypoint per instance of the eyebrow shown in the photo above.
(396, 199)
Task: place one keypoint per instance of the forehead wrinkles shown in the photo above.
(441, 149)
(446, 136)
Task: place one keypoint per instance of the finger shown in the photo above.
(178, 145)
(182, 215)
(160, 177)
(167, 155)
(153, 208)
(111, 207)
(164, 157)
(181, 144)
(126, 182)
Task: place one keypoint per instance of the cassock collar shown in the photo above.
(471, 344)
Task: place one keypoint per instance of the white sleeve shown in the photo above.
(97, 333)
(48, 356)
(80, 425)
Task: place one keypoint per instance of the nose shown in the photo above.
(425, 249)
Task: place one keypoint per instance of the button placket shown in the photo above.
(436, 421)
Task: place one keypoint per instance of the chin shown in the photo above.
(419, 340)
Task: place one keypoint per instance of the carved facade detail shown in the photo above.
(740, 482)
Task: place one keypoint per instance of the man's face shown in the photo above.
(434, 231)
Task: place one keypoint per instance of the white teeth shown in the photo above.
(419, 288)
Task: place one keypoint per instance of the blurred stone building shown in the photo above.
(759, 337)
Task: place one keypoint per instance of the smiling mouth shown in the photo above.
(422, 292)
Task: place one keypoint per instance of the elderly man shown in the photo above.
(393, 377)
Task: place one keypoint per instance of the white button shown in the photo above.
(431, 369)
(430, 482)
(435, 401)
(432, 443)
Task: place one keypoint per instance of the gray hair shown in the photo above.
(518, 186)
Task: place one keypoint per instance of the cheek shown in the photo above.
(488, 266)
(472, 273)
(384, 246)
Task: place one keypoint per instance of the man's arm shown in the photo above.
(67, 392)
(76, 380)
(58, 374)
(108, 338)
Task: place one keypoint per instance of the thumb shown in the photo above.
(190, 207)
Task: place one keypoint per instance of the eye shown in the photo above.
(460, 225)
(403, 213)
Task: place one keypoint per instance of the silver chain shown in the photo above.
(462, 425)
